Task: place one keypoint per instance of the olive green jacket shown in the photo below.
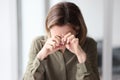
(58, 66)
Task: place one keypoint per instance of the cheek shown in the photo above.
(52, 34)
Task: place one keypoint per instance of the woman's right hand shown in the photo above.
(52, 44)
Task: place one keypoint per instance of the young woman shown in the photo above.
(66, 53)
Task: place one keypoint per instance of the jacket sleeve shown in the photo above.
(35, 69)
(89, 69)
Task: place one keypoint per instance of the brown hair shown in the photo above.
(67, 13)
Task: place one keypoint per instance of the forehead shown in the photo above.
(61, 30)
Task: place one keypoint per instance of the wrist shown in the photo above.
(42, 55)
(81, 56)
(81, 59)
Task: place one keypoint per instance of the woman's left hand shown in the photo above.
(72, 44)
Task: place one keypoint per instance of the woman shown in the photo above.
(66, 53)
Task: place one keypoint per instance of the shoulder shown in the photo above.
(90, 40)
(38, 41)
(89, 43)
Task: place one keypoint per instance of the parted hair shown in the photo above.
(67, 13)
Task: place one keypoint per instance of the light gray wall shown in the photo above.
(33, 17)
(8, 40)
(116, 24)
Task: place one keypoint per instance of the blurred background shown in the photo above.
(23, 20)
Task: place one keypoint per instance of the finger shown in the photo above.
(70, 38)
(58, 37)
(66, 36)
(53, 44)
(50, 47)
(75, 40)
(57, 40)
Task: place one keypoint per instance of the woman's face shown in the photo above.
(61, 30)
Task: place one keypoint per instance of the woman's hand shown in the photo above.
(72, 44)
(55, 43)
(51, 45)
